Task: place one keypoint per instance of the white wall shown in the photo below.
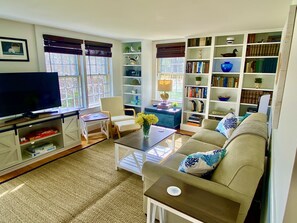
(22, 31)
(284, 144)
(33, 34)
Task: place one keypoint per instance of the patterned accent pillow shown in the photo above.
(227, 125)
(201, 163)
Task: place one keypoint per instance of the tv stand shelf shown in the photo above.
(13, 153)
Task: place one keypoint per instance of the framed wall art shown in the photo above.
(12, 49)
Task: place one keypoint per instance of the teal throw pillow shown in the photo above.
(201, 163)
(227, 125)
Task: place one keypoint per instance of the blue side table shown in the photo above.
(170, 118)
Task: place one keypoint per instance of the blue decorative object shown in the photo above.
(224, 98)
(226, 66)
(201, 163)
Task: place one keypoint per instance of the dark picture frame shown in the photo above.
(12, 49)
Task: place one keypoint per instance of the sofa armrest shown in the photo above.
(210, 124)
(153, 171)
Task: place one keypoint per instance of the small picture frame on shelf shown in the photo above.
(12, 49)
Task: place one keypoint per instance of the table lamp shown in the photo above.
(164, 85)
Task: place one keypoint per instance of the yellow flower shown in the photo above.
(150, 118)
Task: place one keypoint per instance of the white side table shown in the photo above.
(99, 119)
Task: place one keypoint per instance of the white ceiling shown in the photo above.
(149, 19)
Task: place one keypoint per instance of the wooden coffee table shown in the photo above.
(139, 149)
(193, 204)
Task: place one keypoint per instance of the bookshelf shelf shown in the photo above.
(259, 57)
(191, 98)
(133, 77)
(193, 112)
(229, 45)
(229, 88)
(197, 59)
(135, 53)
(268, 74)
(198, 47)
(131, 65)
(216, 116)
(257, 89)
(270, 43)
(224, 102)
(197, 74)
(227, 58)
(130, 85)
(198, 86)
(226, 73)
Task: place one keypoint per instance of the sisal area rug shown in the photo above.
(81, 187)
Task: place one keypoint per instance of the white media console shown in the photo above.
(14, 139)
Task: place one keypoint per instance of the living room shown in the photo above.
(25, 22)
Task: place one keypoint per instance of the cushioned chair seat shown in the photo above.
(174, 160)
(127, 125)
(209, 136)
(194, 146)
(121, 118)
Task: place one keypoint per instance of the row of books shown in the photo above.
(196, 92)
(39, 149)
(267, 65)
(197, 67)
(220, 81)
(252, 38)
(203, 41)
(263, 50)
(252, 97)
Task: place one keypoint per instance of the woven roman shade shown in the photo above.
(59, 44)
(98, 49)
(171, 50)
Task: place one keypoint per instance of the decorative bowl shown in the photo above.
(226, 66)
(224, 98)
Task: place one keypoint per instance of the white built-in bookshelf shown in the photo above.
(136, 74)
(256, 56)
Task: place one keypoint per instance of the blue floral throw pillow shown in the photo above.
(201, 163)
(227, 125)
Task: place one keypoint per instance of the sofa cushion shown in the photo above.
(209, 136)
(201, 163)
(194, 146)
(243, 164)
(174, 160)
(227, 125)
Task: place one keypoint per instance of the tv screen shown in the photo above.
(27, 92)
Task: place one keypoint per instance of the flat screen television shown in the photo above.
(26, 92)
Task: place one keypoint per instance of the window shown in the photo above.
(172, 69)
(67, 66)
(98, 79)
(171, 61)
(64, 55)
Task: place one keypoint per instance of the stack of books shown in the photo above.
(194, 120)
(39, 149)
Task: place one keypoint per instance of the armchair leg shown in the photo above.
(118, 131)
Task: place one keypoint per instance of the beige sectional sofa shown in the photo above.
(237, 175)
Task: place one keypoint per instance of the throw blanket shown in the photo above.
(255, 128)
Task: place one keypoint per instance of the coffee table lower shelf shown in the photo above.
(133, 160)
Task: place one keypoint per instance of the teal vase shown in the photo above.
(146, 128)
